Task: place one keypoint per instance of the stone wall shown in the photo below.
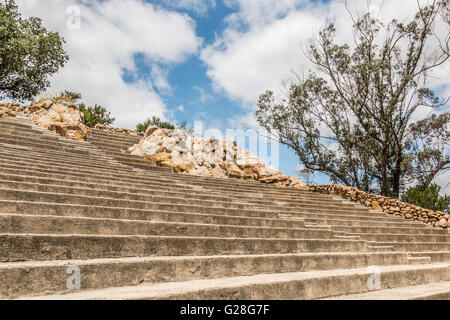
(387, 205)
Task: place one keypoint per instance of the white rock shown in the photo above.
(150, 148)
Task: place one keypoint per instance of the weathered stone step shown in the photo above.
(390, 229)
(34, 224)
(64, 247)
(29, 153)
(125, 178)
(350, 222)
(435, 256)
(429, 291)
(185, 198)
(42, 145)
(105, 138)
(39, 138)
(37, 208)
(102, 133)
(142, 164)
(147, 189)
(46, 185)
(287, 286)
(418, 246)
(29, 133)
(112, 145)
(156, 203)
(12, 124)
(98, 178)
(89, 154)
(39, 278)
(404, 237)
(43, 163)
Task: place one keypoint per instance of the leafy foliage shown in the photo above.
(95, 115)
(29, 54)
(154, 121)
(353, 119)
(427, 197)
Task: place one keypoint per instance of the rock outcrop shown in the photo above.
(6, 110)
(60, 117)
(387, 205)
(186, 154)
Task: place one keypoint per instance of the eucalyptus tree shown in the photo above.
(353, 117)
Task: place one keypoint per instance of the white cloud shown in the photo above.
(264, 39)
(111, 32)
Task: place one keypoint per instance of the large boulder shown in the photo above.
(6, 110)
(186, 154)
(60, 117)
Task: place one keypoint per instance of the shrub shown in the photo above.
(427, 197)
(154, 121)
(96, 114)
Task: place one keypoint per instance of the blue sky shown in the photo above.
(194, 60)
(192, 88)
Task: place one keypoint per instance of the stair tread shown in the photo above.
(168, 289)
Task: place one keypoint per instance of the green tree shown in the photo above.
(427, 197)
(29, 54)
(154, 121)
(353, 119)
(95, 115)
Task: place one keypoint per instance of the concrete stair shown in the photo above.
(138, 231)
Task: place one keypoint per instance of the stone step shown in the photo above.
(286, 286)
(138, 163)
(350, 222)
(404, 237)
(116, 181)
(194, 194)
(64, 210)
(417, 246)
(53, 162)
(161, 203)
(96, 136)
(43, 247)
(112, 146)
(42, 145)
(390, 229)
(95, 156)
(50, 277)
(429, 291)
(102, 133)
(38, 137)
(435, 256)
(126, 177)
(39, 224)
(12, 123)
(186, 198)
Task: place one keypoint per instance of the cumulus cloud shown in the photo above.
(264, 40)
(103, 41)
